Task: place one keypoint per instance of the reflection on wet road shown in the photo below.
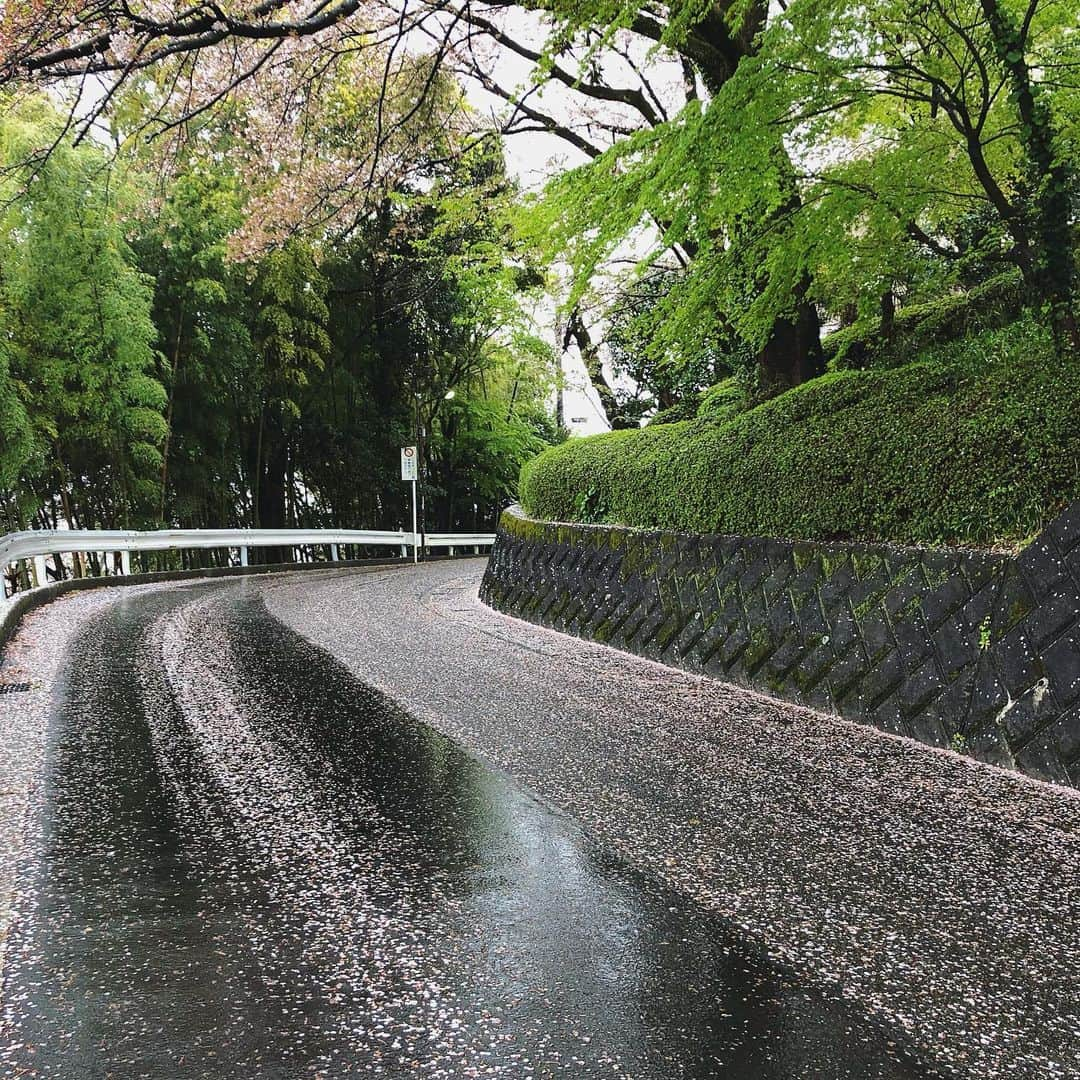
(250, 865)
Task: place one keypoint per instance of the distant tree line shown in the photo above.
(151, 375)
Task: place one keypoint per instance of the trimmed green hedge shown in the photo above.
(724, 401)
(981, 445)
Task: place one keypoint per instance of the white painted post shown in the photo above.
(333, 553)
(404, 552)
(125, 563)
(451, 550)
(40, 577)
(243, 556)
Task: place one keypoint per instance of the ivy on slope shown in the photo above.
(979, 445)
(920, 327)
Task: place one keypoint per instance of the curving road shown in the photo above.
(244, 860)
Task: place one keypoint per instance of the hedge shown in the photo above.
(724, 401)
(979, 446)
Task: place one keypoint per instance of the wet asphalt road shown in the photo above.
(246, 863)
(939, 895)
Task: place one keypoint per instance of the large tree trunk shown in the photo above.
(792, 355)
(1052, 271)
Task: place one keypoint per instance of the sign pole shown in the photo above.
(415, 555)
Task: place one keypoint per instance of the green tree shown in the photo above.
(288, 332)
(204, 344)
(425, 300)
(79, 346)
(912, 121)
(670, 382)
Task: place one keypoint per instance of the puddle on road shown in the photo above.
(251, 866)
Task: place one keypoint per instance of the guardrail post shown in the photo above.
(243, 555)
(125, 563)
(40, 577)
(333, 553)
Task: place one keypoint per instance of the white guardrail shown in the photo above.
(36, 544)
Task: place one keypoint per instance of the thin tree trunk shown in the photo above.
(169, 411)
(256, 478)
(594, 368)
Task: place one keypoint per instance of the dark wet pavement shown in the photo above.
(251, 865)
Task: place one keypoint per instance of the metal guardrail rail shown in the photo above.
(36, 545)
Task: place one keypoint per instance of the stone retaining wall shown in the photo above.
(976, 651)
